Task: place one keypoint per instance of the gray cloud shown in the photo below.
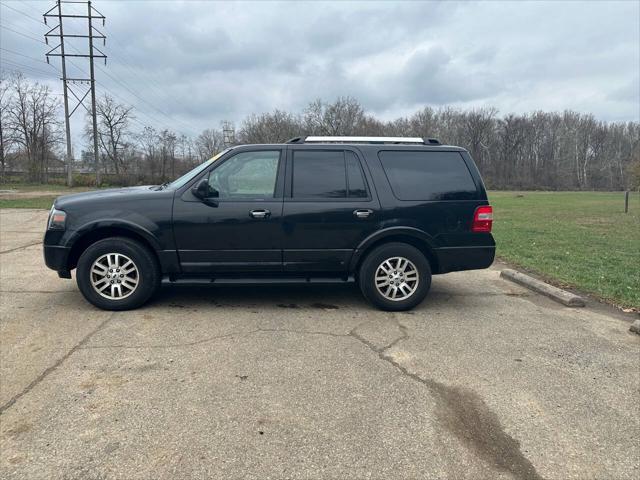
(188, 65)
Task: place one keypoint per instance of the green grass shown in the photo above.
(38, 187)
(578, 239)
(36, 202)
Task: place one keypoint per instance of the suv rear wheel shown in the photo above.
(395, 276)
(117, 274)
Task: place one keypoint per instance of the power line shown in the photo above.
(26, 56)
(107, 90)
(23, 34)
(173, 119)
(152, 119)
(147, 80)
(32, 8)
(20, 12)
(194, 130)
(136, 95)
(23, 55)
(22, 65)
(14, 63)
(150, 79)
(123, 57)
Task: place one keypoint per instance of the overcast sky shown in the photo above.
(189, 65)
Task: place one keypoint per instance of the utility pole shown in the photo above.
(59, 51)
(96, 153)
(66, 101)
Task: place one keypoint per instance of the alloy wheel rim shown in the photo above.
(397, 278)
(114, 276)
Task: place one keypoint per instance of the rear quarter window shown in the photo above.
(428, 175)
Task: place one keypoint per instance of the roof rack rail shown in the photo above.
(347, 139)
(338, 139)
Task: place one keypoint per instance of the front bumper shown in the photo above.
(55, 257)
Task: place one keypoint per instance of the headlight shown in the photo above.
(57, 219)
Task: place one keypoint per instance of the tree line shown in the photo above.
(538, 150)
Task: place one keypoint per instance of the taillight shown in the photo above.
(482, 219)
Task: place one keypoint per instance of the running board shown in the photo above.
(255, 281)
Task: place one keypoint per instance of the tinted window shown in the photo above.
(246, 175)
(319, 174)
(355, 177)
(428, 175)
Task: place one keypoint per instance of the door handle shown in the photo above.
(363, 213)
(261, 213)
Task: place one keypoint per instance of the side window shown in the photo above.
(355, 177)
(319, 174)
(327, 174)
(428, 175)
(247, 175)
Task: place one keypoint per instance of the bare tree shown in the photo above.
(113, 131)
(147, 141)
(185, 148)
(345, 116)
(478, 127)
(273, 127)
(32, 118)
(167, 142)
(422, 124)
(208, 143)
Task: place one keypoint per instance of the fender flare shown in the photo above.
(375, 237)
(114, 223)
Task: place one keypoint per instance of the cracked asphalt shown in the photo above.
(483, 380)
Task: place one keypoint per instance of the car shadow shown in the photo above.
(313, 296)
(330, 297)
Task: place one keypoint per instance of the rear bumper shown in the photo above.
(454, 259)
(55, 257)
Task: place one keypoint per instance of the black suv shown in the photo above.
(385, 212)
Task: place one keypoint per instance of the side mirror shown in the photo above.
(203, 190)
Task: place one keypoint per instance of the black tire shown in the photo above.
(387, 251)
(148, 273)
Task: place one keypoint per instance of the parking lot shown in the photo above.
(483, 380)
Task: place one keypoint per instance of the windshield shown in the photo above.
(179, 182)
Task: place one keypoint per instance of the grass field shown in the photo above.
(38, 187)
(34, 196)
(34, 202)
(577, 239)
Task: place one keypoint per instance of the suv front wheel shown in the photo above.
(395, 277)
(117, 273)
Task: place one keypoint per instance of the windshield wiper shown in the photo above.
(163, 186)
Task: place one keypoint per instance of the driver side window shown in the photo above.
(247, 175)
